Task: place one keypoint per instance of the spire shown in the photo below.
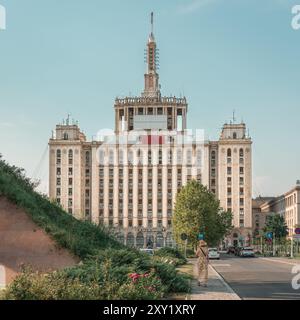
(152, 88)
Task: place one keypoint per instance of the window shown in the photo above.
(58, 171)
(70, 171)
(70, 157)
(87, 158)
(234, 135)
(58, 181)
(58, 193)
(229, 171)
(241, 170)
(58, 156)
(241, 181)
(70, 181)
(241, 153)
(70, 191)
(228, 152)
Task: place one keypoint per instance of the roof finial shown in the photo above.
(152, 22)
(233, 116)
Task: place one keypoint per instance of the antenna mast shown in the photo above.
(152, 22)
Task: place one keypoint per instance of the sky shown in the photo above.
(69, 56)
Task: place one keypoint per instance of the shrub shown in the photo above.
(171, 256)
(106, 264)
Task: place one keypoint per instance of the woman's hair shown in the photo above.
(202, 243)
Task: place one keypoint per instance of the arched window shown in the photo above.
(58, 156)
(70, 157)
(140, 157)
(130, 240)
(149, 157)
(213, 155)
(160, 156)
(87, 158)
(121, 157)
(179, 157)
(199, 158)
(170, 157)
(140, 240)
(66, 136)
(111, 157)
(241, 152)
(234, 135)
(130, 158)
(228, 152)
(101, 157)
(189, 157)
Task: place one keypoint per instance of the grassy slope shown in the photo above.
(81, 238)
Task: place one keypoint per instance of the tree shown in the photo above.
(277, 225)
(198, 210)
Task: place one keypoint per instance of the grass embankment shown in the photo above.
(109, 270)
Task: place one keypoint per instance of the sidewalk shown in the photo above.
(217, 288)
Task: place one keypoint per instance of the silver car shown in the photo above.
(247, 252)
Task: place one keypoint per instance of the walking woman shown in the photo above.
(202, 254)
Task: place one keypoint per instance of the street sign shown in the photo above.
(297, 231)
(201, 236)
(269, 235)
(296, 236)
(183, 236)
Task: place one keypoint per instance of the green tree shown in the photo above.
(277, 225)
(197, 210)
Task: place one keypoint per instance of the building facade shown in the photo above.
(286, 205)
(128, 178)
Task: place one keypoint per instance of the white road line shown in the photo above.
(280, 261)
(220, 265)
(2, 277)
(230, 290)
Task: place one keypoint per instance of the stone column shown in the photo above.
(154, 195)
(165, 195)
(145, 194)
(125, 193)
(95, 187)
(106, 193)
(135, 196)
(116, 191)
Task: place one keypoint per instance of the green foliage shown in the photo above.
(277, 225)
(197, 209)
(171, 256)
(106, 264)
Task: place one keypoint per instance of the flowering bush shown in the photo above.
(145, 286)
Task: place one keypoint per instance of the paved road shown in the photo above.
(258, 278)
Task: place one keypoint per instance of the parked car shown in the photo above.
(213, 254)
(247, 252)
(148, 251)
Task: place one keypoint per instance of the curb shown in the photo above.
(230, 290)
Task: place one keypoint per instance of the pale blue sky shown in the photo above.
(69, 56)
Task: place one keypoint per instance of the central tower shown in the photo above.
(152, 88)
(150, 111)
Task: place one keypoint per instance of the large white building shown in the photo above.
(128, 179)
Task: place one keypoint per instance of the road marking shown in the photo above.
(2, 277)
(281, 261)
(220, 265)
